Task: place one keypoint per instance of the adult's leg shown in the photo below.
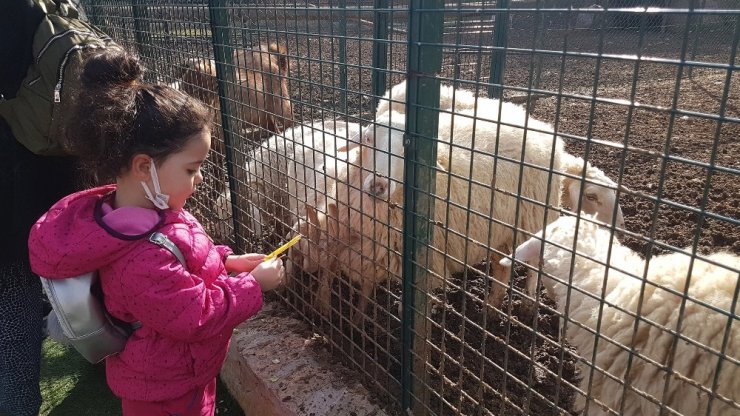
(30, 184)
(20, 340)
(20, 300)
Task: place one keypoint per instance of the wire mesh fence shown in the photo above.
(505, 116)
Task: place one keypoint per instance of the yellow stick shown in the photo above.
(282, 248)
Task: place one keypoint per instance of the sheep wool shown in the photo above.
(652, 294)
(292, 169)
(598, 196)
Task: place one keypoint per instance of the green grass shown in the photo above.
(70, 386)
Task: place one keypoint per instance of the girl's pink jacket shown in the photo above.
(187, 313)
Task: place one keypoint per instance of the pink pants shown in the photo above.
(199, 402)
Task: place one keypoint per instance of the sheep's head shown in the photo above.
(393, 100)
(323, 238)
(278, 56)
(198, 77)
(458, 99)
(262, 81)
(307, 252)
(558, 239)
(382, 154)
(599, 195)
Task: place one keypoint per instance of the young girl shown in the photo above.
(151, 140)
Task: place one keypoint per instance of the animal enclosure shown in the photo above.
(506, 116)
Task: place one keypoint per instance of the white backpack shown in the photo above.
(79, 317)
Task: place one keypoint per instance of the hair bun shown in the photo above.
(112, 68)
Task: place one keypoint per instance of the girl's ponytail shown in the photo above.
(117, 115)
(112, 70)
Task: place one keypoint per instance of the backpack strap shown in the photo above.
(164, 242)
(63, 8)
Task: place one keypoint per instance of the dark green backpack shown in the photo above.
(37, 114)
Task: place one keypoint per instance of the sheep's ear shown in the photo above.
(625, 189)
(441, 167)
(313, 217)
(349, 145)
(527, 252)
(354, 238)
(574, 191)
(506, 262)
(332, 224)
(620, 217)
(332, 210)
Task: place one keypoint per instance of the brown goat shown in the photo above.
(260, 96)
(260, 92)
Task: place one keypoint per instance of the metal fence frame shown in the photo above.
(425, 59)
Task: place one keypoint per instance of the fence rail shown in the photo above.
(513, 115)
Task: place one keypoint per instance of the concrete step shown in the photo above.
(277, 365)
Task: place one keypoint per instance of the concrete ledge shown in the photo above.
(277, 366)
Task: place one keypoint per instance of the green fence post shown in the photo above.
(540, 24)
(422, 120)
(223, 52)
(142, 35)
(498, 57)
(697, 29)
(343, 57)
(380, 50)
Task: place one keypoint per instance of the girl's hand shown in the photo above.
(269, 274)
(244, 262)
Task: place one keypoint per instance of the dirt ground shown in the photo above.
(681, 171)
(699, 196)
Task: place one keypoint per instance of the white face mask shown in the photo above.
(158, 198)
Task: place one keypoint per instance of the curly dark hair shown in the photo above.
(117, 116)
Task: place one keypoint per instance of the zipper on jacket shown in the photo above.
(60, 79)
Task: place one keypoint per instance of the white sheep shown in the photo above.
(320, 229)
(657, 292)
(449, 99)
(295, 167)
(599, 193)
(385, 159)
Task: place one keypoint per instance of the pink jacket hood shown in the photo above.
(60, 241)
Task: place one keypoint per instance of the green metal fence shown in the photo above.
(406, 217)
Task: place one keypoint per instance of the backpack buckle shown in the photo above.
(158, 239)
